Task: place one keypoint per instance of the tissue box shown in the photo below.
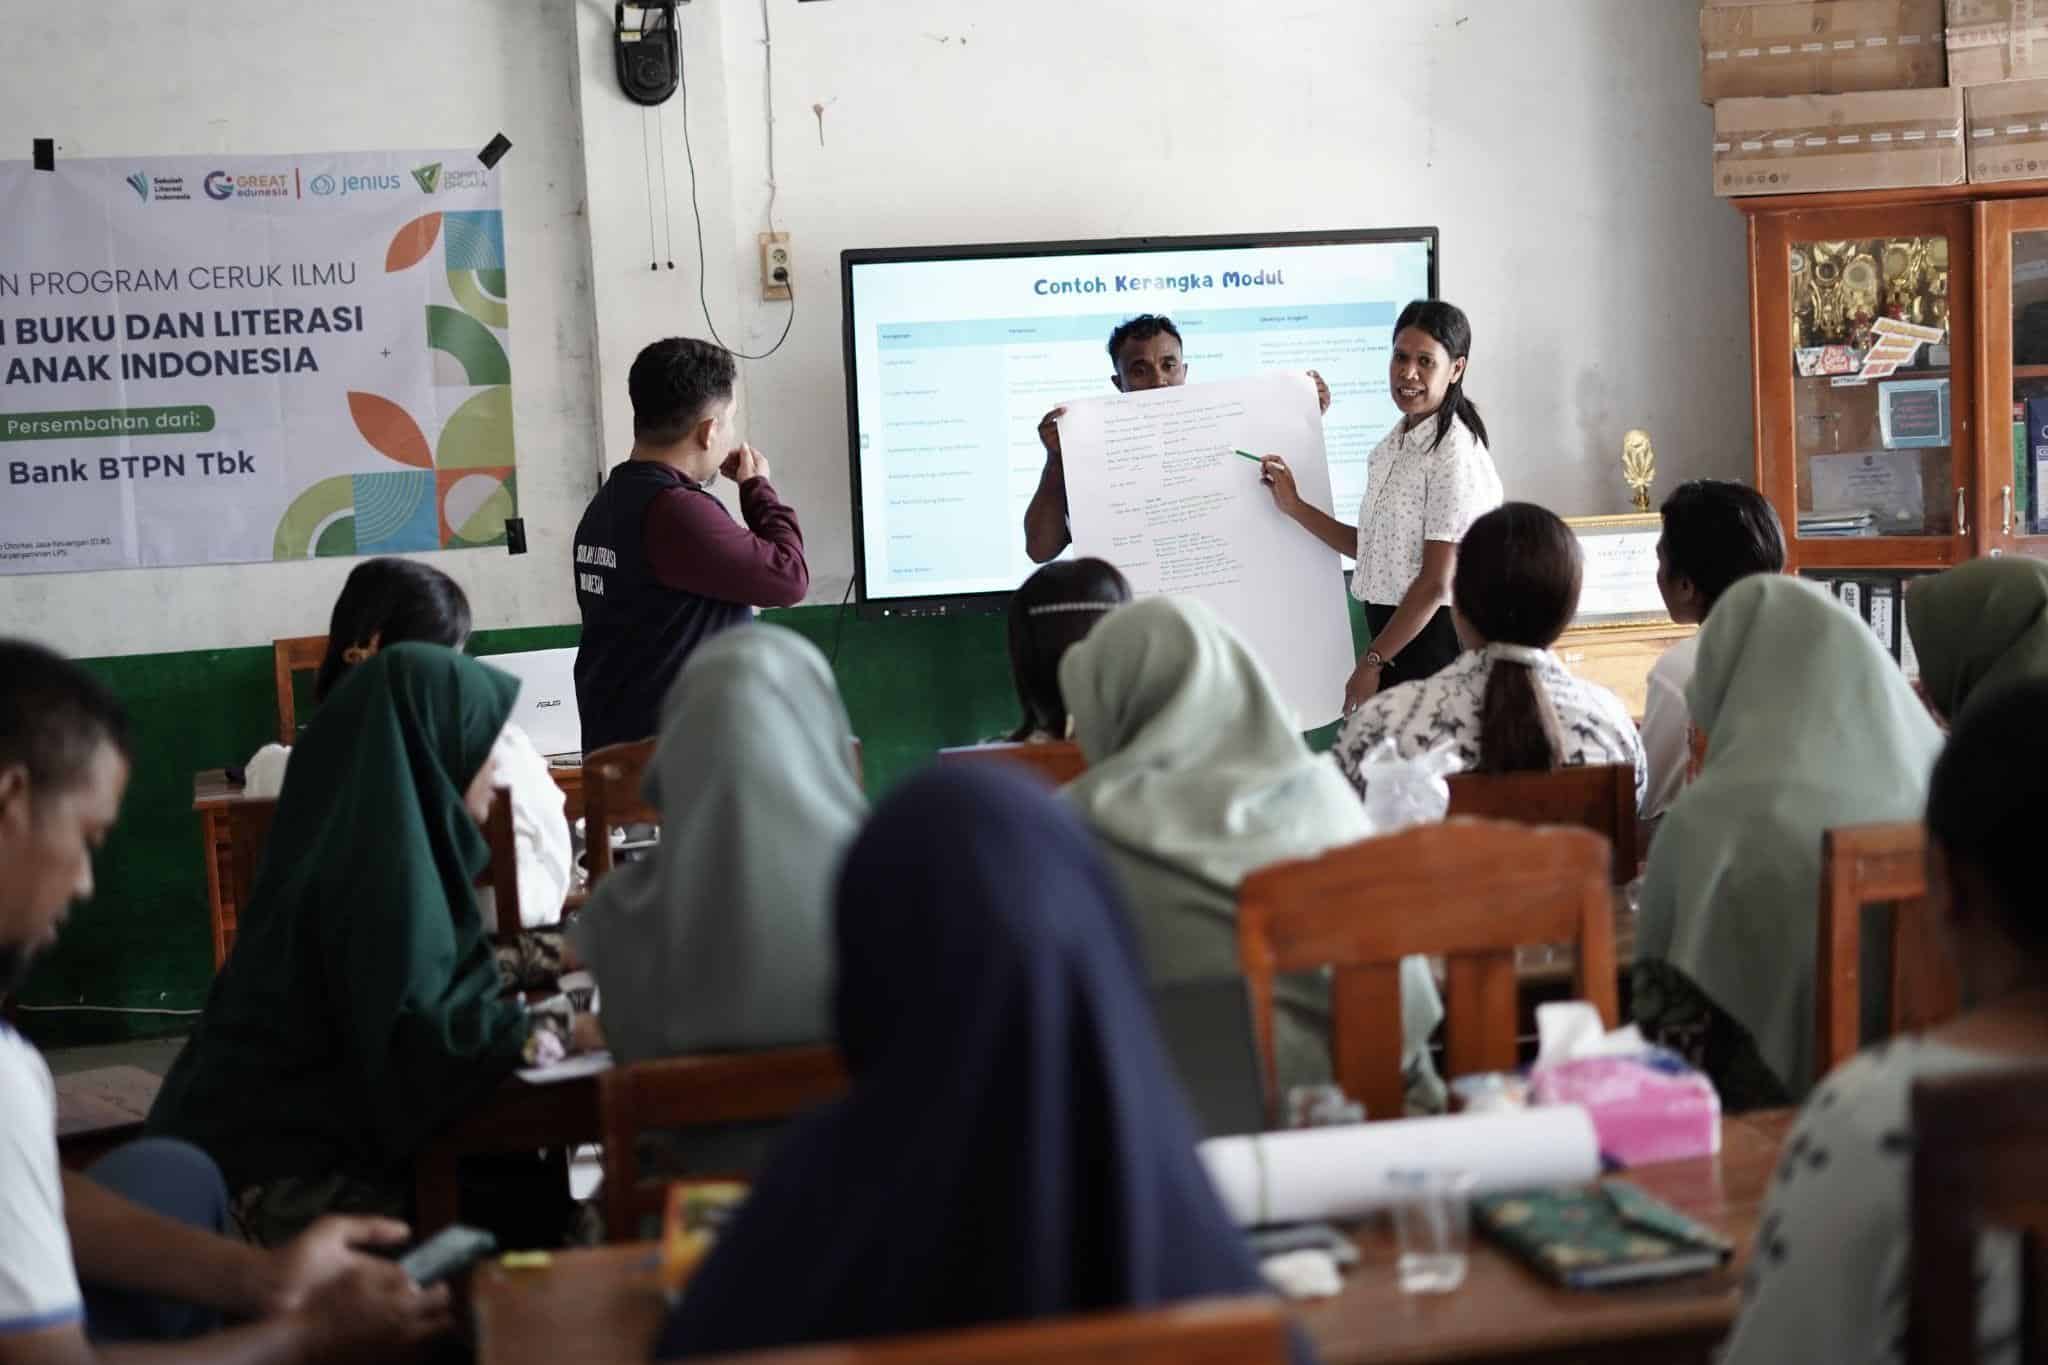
(1646, 1108)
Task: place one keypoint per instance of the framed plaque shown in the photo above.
(1619, 584)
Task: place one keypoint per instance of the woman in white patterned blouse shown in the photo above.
(1507, 704)
(1429, 479)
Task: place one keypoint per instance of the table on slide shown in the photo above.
(603, 1304)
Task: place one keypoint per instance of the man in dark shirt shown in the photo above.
(661, 566)
(1146, 351)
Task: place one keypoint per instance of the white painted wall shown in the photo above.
(1557, 143)
(255, 76)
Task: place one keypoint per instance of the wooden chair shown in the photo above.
(1601, 798)
(1867, 865)
(501, 876)
(1245, 1331)
(1471, 891)
(1980, 1143)
(292, 656)
(688, 1092)
(612, 777)
(249, 824)
(1059, 761)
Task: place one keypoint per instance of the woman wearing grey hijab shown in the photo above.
(1196, 778)
(722, 940)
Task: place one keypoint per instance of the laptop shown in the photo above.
(546, 708)
(1207, 1028)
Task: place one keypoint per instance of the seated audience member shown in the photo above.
(1978, 626)
(1715, 533)
(1810, 726)
(1014, 1144)
(361, 1009)
(142, 1229)
(720, 942)
(1196, 777)
(1056, 607)
(1507, 704)
(387, 602)
(660, 565)
(1833, 1286)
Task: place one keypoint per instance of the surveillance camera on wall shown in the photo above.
(646, 44)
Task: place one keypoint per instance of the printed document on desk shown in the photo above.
(1156, 487)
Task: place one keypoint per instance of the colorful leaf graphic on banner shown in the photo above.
(479, 433)
(389, 429)
(468, 291)
(320, 521)
(476, 240)
(395, 512)
(470, 343)
(412, 242)
(475, 504)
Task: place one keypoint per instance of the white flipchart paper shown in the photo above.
(1155, 487)
(1312, 1174)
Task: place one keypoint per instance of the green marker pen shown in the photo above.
(1248, 455)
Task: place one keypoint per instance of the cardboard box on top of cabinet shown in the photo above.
(2006, 127)
(1830, 47)
(1996, 40)
(1800, 144)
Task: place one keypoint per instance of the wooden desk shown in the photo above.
(518, 1118)
(213, 794)
(603, 1305)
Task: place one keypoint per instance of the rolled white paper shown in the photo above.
(1337, 1173)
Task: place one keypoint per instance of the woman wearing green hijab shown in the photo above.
(1810, 725)
(1196, 778)
(1978, 626)
(361, 1007)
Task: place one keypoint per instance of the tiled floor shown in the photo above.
(155, 1055)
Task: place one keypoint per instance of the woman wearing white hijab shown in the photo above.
(722, 940)
(1196, 777)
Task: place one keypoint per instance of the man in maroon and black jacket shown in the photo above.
(661, 566)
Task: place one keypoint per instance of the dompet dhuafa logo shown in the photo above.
(429, 177)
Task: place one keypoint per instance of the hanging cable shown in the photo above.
(768, 57)
(647, 172)
(697, 214)
(667, 217)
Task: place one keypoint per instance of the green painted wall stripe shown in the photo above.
(912, 686)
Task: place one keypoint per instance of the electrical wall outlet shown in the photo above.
(776, 265)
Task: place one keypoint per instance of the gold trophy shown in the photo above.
(1638, 466)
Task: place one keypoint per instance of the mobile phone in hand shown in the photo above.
(448, 1252)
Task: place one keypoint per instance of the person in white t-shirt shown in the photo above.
(1429, 479)
(384, 602)
(1715, 534)
(132, 1249)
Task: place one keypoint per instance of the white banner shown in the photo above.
(222, 359)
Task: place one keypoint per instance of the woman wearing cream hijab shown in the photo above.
(1196, 777)
(722, 941)
(1810, 726)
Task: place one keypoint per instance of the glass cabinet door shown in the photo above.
(1866, 392)
(2016, 375)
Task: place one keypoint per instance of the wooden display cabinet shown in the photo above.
(1972, 259)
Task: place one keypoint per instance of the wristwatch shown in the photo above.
(1374, 659)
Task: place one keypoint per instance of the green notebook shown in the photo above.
(1610, 1234)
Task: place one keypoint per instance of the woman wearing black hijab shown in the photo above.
(1014, 1145)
